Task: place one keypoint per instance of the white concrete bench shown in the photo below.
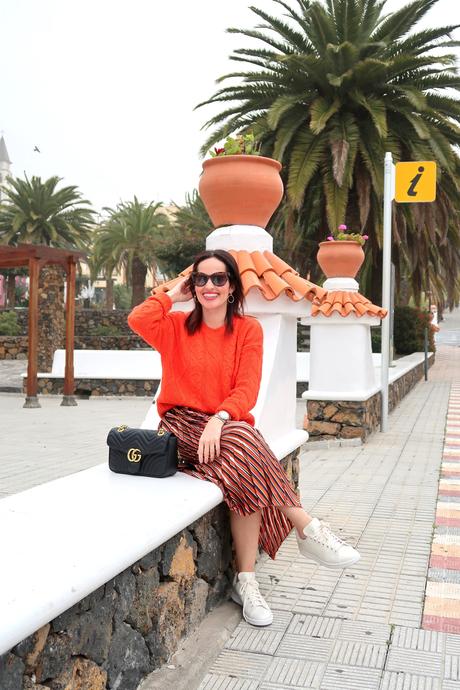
(108, 364)
(62, 540)
(77, 537)
(129, 364)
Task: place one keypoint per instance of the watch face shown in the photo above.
(224, 415)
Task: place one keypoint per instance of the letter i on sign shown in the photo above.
(411, 191)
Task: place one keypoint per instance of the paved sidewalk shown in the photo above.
(41, 444)
(359, 628)
(442, 601)
(345, 630)
(10, 375)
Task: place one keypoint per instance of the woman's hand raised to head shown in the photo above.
(180, 292)
(209, 444)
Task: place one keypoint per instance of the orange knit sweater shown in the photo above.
(209, 370)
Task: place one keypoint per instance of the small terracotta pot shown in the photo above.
(340, 258)
(241, 190)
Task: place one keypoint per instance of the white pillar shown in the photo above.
(341, 363)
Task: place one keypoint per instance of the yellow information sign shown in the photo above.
(415, 182)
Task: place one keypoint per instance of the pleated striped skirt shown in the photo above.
(248, 474)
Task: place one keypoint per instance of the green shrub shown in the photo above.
(101, 330)
(409, 330)
(122, 296)
(9, 323)
(376, 338)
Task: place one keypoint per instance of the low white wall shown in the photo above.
(400, 367)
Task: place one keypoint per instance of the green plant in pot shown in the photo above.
(242, 144)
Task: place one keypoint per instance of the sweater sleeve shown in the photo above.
(153, 322)
(243, 395)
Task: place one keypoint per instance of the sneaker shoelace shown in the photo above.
(250, 590)
(331, 540)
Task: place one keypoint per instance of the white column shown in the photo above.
(341, 362)
(341, 365)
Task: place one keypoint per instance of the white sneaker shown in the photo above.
(246, 593)
(324, 547)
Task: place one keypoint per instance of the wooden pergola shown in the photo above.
(35, 257)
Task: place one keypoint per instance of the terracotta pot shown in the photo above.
(340, 258)
(241, 190)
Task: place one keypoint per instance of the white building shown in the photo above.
(5, 166)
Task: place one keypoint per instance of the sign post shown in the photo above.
(406, 183)
(388, 196)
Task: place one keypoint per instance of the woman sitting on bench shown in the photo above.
(212, 363)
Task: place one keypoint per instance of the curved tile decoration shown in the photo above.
(273, 277)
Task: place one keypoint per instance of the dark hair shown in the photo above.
(195, 318)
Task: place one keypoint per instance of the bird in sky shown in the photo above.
(37, 149)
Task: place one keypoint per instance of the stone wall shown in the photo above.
(131, 625)
(13, 347)
(87, 321)
(332, 419)
(96, 387)
(51, 315)
(109, 342)
(87, 387)
(87, 324)
(16, 347)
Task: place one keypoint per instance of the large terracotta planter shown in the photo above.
(241, 190)
(340, 258)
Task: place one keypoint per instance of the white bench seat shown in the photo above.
(78, 532)
(108, 364)
(130, 364)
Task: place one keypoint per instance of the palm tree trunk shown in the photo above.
(138, 275)
(108, 291)
(352, 219)
(376, 279)
(404, 292)
(11, 290)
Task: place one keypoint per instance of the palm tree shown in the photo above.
(129, 238)
(334, 86)
(35, 212)
(186, 236)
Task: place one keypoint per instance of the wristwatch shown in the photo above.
(223, 416)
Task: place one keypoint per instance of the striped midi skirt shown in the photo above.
(248, 474)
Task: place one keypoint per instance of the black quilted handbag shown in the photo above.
(143, 452)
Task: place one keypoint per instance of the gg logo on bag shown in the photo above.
(134, 455)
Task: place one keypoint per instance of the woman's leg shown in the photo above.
(299, 518)
(246, 529)
(245, 590)
(245, 533)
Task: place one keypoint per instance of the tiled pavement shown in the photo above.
(346, 630)
(38, 445)
(359, 628)
(442, 603)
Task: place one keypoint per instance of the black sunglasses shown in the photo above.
(218, 279)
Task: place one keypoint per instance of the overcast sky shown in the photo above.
(106, 88)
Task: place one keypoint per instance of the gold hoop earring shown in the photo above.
(230, 301)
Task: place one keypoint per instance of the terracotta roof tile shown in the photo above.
(272, 277)
(345, 303)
